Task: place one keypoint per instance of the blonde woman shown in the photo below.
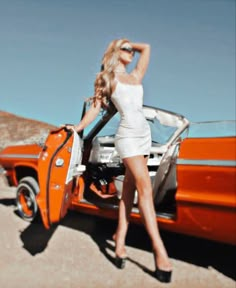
(132, 141)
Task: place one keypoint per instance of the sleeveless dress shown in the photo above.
(133, 135)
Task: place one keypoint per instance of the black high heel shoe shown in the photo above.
(163, 276)
(120, 262)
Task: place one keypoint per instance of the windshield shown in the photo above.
(163, 125)
(212, 129)
(160, 133)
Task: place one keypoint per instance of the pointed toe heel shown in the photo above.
(163, 276)
(120, 262)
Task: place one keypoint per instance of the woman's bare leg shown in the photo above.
(125, 207)
(137, 166)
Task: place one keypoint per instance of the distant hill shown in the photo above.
(16, 130)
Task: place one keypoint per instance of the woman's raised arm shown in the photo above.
(143, 61)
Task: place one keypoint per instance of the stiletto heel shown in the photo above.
(163, 276)
(120, 262)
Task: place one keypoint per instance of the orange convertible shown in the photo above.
(192, 167)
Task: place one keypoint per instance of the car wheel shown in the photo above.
(26, 202)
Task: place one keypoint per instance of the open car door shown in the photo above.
(166, 128)
(58, 163)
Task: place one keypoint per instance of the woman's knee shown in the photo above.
(144, 188)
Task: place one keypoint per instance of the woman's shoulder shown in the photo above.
(130, 79)
(136, 75)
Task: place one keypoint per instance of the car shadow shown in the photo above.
(35, 237)
(7, 202)
(200, 252)
(196, 251)
(96, 228)
(192, 250)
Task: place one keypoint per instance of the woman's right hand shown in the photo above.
(70, 127)
(90, 115)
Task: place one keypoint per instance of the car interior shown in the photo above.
(105, 170)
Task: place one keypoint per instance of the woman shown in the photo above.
(132, 141)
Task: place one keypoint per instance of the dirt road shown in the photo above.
(79, 253)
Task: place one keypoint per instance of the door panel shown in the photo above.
(58, 164)
(206, 188)
(165, 184)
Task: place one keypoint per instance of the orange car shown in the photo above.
(191, 165)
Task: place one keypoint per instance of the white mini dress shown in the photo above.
(133, 135)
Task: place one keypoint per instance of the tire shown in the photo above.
(26, 203)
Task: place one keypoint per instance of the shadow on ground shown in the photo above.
(188, 249)
(7, 202)
(192, 250)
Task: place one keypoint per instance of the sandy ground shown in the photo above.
(79, 253)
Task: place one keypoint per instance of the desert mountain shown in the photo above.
(16, 130)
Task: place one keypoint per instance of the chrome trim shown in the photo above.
(134, 210)
(27, 156)
(99, 204)
(230, 163)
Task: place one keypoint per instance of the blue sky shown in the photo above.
(51, 51)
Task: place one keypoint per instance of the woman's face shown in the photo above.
(126, 53)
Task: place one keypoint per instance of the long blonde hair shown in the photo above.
(104, 79)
